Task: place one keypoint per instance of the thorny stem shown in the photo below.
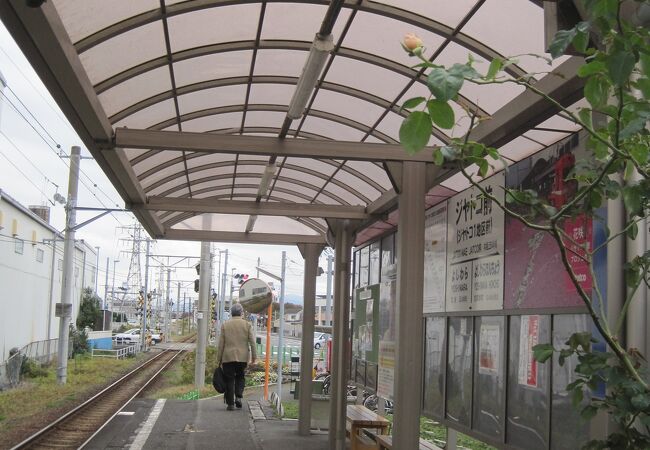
(614, 236)
(626, 305)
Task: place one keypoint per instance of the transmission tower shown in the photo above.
(137, 240)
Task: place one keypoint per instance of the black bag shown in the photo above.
(219, 380)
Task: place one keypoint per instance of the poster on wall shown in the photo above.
(489, 349)
(435, 259)
(386, 370)
(535, 276)
(475, 248)
(528, 338)
(364, 328)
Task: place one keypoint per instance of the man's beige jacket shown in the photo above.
(234, 341)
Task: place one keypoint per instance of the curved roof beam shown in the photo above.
(374, 8)
(273, 108)
(257, 175)
(269, 45)
(181, 217)
(236, 195)
(232, 163)
(143, 176)
(266, 79)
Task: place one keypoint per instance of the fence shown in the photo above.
(116, 353)
(41, 351)
(288, 352)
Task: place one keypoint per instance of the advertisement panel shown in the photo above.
(532, 260)
(475, 248)
(435, 259)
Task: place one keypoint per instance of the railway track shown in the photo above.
(78, 426)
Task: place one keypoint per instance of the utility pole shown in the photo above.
(143, 330)
(97, 271)
(223, 294)
(203, 315)
(167, 303)
(259, 263)
(64, 309)
(328, 300)
(178, 301)
(105, 287)
(281, 328)
(115, 261)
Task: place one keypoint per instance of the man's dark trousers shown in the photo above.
(234, 373)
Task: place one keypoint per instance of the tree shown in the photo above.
(89, 310)
(617, 87)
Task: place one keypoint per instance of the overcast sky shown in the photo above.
(31, 128)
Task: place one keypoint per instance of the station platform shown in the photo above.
(202, 424)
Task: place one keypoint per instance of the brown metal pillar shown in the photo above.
(310, 252)
(410, 275)
(340, 328)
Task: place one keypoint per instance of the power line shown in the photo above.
(24, 175)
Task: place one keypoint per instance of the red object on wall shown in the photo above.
(328, 358)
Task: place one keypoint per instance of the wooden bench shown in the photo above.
(385, 442)
(358, 418)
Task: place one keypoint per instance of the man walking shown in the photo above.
(236, 344)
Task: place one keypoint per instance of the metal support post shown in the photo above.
(410, 279)
(340, 357)
(96, 271)
(178, 301)
(105, 288)
(145, 312)
(168, 301)
(112, 305)
(328, 296)
(281, 327)
(202, 316)
(310, 252)
(67, 287)
(222, 303)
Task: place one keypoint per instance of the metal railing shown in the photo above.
(41, 351)
(115, 353)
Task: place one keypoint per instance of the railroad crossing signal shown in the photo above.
(241, 277)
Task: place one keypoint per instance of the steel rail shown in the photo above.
(34, 437)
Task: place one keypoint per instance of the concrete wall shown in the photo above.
(30, 276)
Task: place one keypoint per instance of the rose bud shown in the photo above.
(411, 42)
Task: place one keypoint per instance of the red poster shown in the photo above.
(580, 230)
(528, 338)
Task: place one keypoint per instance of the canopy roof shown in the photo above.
(184, 103)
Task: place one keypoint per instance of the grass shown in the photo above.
(290, 409)
(37, 395)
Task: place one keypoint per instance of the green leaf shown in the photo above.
(586, 117)
(581, 39)
(597, 91)
(640, 401)
(620, 65)
(560, 42)
(441, 113)
(639, 152)
(595, 199)
(576, 397)
(415, 131)
(494, 68)
(464, 70)
(483, 167)
(633, 200)
(644, 59)
(633, 127)
(542, 352)
(438, 157)
(633, 231)
(591, 68)
(588, 412)
(443, 84)
(629, 170)
(643, 85)
(413, 102)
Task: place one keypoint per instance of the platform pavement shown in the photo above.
(203, 424)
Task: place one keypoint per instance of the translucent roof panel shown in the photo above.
(213, 25)
(231, 68)
(212, 67)
(97, 14)
(446, 12)
(212, 98)
(280, 21)
(102, 62)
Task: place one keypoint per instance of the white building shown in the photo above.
(31, 268)
(293, 321)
